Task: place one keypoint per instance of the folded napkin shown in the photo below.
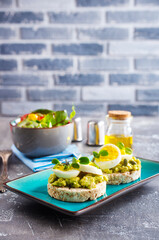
(38, 164)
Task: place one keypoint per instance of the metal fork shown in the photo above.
(4, 175)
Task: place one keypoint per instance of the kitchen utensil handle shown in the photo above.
(4, 176)
(5, 158)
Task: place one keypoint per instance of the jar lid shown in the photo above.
(120, 115)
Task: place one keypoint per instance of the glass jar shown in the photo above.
(119, 128)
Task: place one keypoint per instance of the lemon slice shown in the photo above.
(110, 161)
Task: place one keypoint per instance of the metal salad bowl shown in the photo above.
(37, 142)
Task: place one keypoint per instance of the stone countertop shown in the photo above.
(132, 216)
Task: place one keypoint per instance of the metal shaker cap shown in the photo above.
(77, 134)
(95, 133)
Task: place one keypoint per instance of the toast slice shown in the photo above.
(76, 194)
(126, 177)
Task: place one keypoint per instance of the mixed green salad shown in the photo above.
(44, 118)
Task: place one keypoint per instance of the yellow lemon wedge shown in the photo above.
(111, 160)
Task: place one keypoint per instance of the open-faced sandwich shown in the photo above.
(78, 181)
(118, 163)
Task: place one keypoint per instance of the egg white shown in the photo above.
(66, 174)
(127, 156)
(90, 169)
(112, 163)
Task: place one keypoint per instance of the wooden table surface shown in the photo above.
(132, 216)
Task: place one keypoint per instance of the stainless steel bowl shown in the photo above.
(36, 142)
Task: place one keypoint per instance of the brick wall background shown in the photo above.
(96, 54)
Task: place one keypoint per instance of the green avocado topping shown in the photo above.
(125, 166)
(82, 181)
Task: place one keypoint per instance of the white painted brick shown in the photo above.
(20, 108)
(47, 4)
(133, 48)
(108, 94)
(103, 64)
(124, 66)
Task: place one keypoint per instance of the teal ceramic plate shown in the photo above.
(34, 186)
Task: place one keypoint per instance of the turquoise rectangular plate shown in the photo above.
(34, 186)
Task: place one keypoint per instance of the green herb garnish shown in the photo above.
(120, 145)
(74, 160)
(103, 153)
(66, 167)
(75, 165)
(84, 160)
(128, 150)
(96, 155)
(55, 161)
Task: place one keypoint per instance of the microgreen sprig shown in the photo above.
(55, 161)
(75, 165)
(128, 150)
(96, 155)
(102, 153)
(120, 145)
(74, 160)
(84, 160)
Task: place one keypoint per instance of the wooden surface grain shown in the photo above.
(132, 216)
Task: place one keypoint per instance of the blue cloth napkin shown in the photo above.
(38, 164)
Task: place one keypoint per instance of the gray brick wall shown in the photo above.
(95, 54)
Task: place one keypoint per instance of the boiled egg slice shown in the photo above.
(90, 169)
(127, 156)
(111, 160)
(66, 174)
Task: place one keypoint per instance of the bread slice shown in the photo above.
(126, 177)
(76, 194)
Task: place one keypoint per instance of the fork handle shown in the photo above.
(4, 174)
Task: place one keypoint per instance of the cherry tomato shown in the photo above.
(24, 117)
(40, 118)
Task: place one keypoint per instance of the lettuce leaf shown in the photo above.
(50, 119)
(61, 116)
(43, 111)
